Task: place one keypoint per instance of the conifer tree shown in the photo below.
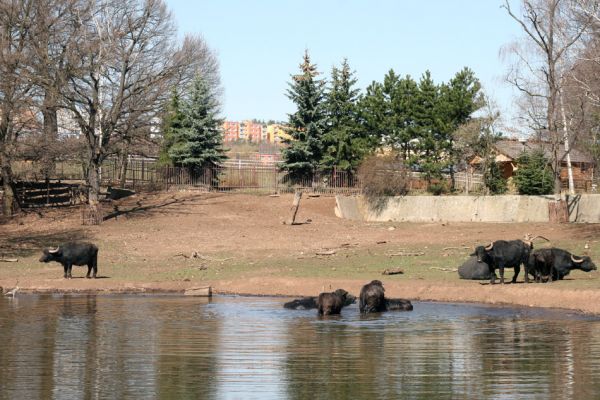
(533, 176)
(307, 125)
(493, 178)
(198, 142)
(342, 144)
(173, 122)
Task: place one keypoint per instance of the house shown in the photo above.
(508, 150)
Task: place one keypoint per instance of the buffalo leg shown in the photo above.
(89, 270)
(66, 268)
(69, 268)
(501, 267)
(492, 275)
(517, 270)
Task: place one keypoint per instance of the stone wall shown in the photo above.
(509, 208)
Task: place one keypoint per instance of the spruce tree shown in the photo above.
(533, 176)
(172, 122)
(198, 142)
(493, 178)
(307, 125)
(342, 144)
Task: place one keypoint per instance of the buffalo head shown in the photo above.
(482, 251)
(583, 263)
(50, 255)
(346, 297)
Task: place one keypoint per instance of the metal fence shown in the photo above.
(229, 177)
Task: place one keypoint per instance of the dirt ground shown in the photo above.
(238, 243)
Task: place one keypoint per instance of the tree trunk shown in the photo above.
(93, 180)
(567, 148)
(9, 203)
(49, 113)
(123, 165)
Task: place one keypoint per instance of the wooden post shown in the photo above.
(295, 206)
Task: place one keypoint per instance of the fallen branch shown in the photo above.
(9, 260)
(325, 253)
(456, 248)
(407, 254)
(445, 269)
(393, 271)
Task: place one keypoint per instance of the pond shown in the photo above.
(149, 347)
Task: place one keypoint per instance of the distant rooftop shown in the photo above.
(513, 149)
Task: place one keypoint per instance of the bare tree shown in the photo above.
(15, 114)
(542, 62)
(52, 38)
(128, 59)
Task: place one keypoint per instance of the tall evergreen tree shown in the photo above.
(307, 125)
(198, 142)
(343, 147)
(172, 123)
(430, 146)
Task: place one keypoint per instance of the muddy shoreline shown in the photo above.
(521, 295)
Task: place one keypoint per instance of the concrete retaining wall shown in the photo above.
(510, 208)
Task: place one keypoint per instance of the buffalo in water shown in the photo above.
(372, 299)
(308, 303)
(73, 253)
(506, 254)
(331, 303)
(554, 264)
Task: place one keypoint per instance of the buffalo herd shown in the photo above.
(543, 265)
(372, 299)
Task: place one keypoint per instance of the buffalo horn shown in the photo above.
(54, 250)
(578, 261)
(489, 247)
(541, 237)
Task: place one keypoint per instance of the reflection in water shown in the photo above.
(90, 347)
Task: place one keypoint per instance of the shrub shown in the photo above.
(383, 176)
(437, 188)
(494, 180)
(533, 175)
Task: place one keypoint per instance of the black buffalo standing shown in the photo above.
(72, 253)
(505, 254)
(555, 264)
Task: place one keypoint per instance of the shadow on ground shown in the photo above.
(147, 210)
(33, 243)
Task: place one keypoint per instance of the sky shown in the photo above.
(260, 44)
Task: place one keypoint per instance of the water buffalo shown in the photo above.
(505, 254)
(372, 298)
(331, 303)
(554, 264)
(73, 253)
(308, 303)
(398, 305)
(473, 269)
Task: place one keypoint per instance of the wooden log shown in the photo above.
(9, 260)
(295, 206)
(408, 254)
(392, 271)
(204, 291)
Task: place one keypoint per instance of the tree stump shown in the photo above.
(92, 215)
(558, 212)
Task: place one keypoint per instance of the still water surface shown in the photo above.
(148, 347)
